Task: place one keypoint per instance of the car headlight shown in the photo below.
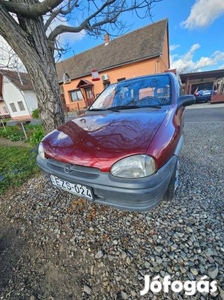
(41, 151)
(134, 167)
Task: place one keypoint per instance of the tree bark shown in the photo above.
(28, 39)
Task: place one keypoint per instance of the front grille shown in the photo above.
(75, 170)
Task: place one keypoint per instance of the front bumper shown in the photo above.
(141, 194)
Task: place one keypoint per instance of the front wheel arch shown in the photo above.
(169, 194)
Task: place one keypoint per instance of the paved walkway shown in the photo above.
(6, 142)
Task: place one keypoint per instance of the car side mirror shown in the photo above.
(186, 100)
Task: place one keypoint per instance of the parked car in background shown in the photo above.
(203, 95)
(123, 151)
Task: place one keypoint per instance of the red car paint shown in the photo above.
(99, 140)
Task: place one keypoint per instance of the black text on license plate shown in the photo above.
(73, 188)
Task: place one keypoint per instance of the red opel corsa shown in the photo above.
(123, 151)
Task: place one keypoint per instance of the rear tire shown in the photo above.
(169, 195)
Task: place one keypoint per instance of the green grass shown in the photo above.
(17, 165)
(15, 133)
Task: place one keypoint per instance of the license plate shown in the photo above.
(74, 188)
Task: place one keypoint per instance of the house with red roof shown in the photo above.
(85, 75)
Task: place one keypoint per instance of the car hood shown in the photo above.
(98, 140)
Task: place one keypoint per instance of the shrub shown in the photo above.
(36, 137)
(35, 114)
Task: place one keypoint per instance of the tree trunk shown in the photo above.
(28, 39)
(46, 87)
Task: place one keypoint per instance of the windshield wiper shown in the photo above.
(117, 108)
(123, 107)
(113, 108)
(97, 109)
(152, 106)
(120, 107)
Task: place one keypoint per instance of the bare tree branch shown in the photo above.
(61, 11)
(107, 14)
(84, 25)
(31, 10)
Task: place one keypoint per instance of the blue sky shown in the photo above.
(196, 33)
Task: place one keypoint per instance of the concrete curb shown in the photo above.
(205, 105)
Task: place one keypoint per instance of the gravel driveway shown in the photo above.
(53, 247)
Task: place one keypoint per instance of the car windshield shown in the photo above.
(152, 91)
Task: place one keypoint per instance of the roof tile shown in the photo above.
(19, 79)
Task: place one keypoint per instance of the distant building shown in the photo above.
(17, 94)
(143, 51)
(212, 80)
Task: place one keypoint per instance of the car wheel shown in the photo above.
(173, 183)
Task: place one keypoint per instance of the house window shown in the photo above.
(13, 107)
(5, 110)
(21, 106)
(76, 95)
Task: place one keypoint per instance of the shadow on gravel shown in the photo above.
(27, 272)
(11, 248)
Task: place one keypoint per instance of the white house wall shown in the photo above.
(31, 100)
(11, 94)
(3, 106)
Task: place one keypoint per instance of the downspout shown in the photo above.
(1, 93)
(156, 64)
(20, 78)
(23, 94)
(25, 102)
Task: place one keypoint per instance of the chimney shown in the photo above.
(106, 39)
